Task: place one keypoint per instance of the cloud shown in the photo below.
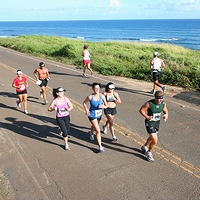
(187, 5)
(115, 4)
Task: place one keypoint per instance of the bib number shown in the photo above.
(98, 113)
(62, 111)
(156, 117)
(22, 87)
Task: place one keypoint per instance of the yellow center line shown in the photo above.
(162, 153)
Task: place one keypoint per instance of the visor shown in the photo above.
(111, 86)
(19, 72)
(60, 90)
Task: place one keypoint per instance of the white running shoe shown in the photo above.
(101, 149)
(67, 147)
(149, 156)
(164, 89)
(115, 138)
(152, 91)
(18, 104)
(60, 131)
(104, 129)
(144, 149)
(26, 112)
(41, 95)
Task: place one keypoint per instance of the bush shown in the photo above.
(126, 59)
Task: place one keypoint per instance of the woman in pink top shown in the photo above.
(62, 105)
(20, 83)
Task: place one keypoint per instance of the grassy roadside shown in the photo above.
(3, 188)
(124, 59)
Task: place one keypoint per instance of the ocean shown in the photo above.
(182, 32)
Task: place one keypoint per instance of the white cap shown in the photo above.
(155, 53)
(60, 89)
(19, 72)
(111, 86)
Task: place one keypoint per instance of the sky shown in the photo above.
(43, 10)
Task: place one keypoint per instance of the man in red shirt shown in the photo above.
(20, 83)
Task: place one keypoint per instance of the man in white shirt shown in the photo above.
(156, 66)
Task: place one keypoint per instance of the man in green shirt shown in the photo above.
(152, 110)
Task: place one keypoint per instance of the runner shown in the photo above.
(156, 66)
(112, 98)
(86, 60)
(63, 106)
(152, 110)
(97, 103)
(20, 83)
(42, 77)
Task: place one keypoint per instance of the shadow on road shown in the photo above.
(43, 131)
(190, 97)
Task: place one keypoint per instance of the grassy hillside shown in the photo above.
(116, 58)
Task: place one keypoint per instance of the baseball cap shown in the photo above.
(41, 63)
(60, 89)
(155, 53)
(19, 71)
(111, 86)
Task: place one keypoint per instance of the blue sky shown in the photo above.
(39, 10)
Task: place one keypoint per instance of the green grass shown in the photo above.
(3, 188)
(116, 58)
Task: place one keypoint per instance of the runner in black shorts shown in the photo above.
(156, 66)
(20, 83)
(112, 97)
(152, 110)
(42, 77)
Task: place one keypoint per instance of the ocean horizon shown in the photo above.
(181, 32)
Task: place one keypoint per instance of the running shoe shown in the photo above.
(104, 129)
(152, 91)
(149, 156)
(41, 95)
(18, 104)
(144, 149)
(67, 147)
(101, 149)
(115, 138)
(84, 75)
(164, 89)
(92, 137)
(45, 102)
(60, 131)
(26, 112)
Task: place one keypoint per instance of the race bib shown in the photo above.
(22, 87)
(156, 116)
(98, 113)
(62, 111)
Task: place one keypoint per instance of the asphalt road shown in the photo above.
(33, 160)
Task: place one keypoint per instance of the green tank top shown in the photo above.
(155, 110)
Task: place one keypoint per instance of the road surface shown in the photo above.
(34, 162)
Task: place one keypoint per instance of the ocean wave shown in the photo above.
(6, 36)
(80, 37)
(157, 40)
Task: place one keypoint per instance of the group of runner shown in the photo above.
(20, 83)
(99, 102)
